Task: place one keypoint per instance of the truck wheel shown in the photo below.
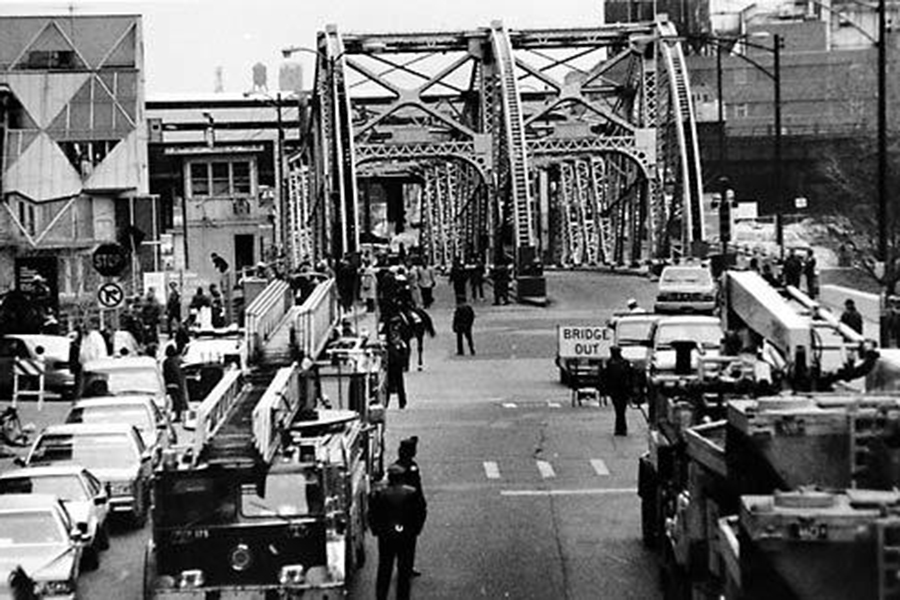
(649, 521)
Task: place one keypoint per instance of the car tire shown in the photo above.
(90, 560)
(103, 537)
(141, 508)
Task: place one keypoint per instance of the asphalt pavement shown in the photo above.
(529, 497)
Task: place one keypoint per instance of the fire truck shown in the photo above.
(752, 490)
(270, 499)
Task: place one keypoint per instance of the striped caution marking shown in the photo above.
(28, 367)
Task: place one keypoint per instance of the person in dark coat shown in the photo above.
(459, 278)
(173, 308)
(150, 313)
(396, 517)
(176, 385)
(75, 360)
(463, 319)
(397, 361)
(406, 458)
(793, 270)
(199, 300)
(218, 306)
(500, 276)
(812, 277)
(852, 317)
(618, 377)
(476, 276)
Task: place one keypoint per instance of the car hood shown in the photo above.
(109, 474)
(80, 511)
(664, 360)
(636, 354)
(43, 563)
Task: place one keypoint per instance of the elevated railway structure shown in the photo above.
(567, 146)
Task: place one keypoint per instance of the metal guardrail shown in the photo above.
(265, 313)
(276, 409)
(215, 408)
(316, 318)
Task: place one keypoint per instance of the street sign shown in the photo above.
(584, 341)
(110, 295)
(110, 259)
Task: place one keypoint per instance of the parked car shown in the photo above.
(80, 491)
(705, 332)
(40, 536)
(154, 425)
(686, 288)
(124, 376)
(114, 452)
(58, 377)
(631, 333)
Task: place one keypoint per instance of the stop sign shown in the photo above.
(110, 259)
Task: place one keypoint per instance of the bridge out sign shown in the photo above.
(584, 341)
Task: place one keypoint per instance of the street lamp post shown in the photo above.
(779, 181)
(775, 76)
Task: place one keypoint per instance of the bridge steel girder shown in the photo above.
(497, 104)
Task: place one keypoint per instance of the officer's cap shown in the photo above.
(395, 472)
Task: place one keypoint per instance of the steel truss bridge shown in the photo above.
(570, 146)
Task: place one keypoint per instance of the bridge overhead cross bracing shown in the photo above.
(573, 145)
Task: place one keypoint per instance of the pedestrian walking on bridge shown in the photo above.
(406, 458)
(463, 319)
(618, 378)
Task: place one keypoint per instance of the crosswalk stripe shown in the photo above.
(509, 405)
(492, 470)
(599, 466)
(546, 469)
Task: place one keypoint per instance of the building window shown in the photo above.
(221, 178)
(27, 217)
(200, 179)
(740, 111)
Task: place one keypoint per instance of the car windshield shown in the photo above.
(130, 415)
(94, 451)
(30, 527)
(631, 332)
(686, 276)
(66, 487)
(708, 335)
(294, 494)
(123, 381)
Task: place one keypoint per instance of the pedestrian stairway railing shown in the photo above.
(316, 319)
(276, 410)
(215, 408)
(265, 313)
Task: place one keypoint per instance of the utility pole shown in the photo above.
(779, 180)
(885, 253)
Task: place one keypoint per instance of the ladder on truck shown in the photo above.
(239, 424)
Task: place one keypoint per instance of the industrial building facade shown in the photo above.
(73, 149)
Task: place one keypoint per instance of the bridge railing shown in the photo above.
(316, 318)
(275, 410)
(215, 408)
(265, 313)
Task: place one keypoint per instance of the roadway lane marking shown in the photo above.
(585, 492)
(546, 469)
(509, 405)
(491, 470)
(599, 466)
(553, 404)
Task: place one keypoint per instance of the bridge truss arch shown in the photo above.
(509, 135)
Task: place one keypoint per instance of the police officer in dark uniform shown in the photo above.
(406, 458)
(396, 517)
